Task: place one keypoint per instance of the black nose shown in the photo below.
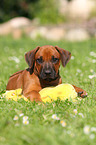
(47, 72)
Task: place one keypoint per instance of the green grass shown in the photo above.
(42, 129)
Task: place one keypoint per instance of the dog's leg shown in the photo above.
(82, 93)
(33, 96)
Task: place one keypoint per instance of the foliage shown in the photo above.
(71, 127)
(46, 11)
(10, 9)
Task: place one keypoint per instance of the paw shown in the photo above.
(33, 96)
(82, 94)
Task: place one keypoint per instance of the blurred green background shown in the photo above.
(48, 11)
(61, 19)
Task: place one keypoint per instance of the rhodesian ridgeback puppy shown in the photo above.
(43, 71)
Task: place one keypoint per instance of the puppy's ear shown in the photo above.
(64, 54)
(30, 56)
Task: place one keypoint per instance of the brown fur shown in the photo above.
(43, 71)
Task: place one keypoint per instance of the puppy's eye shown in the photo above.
(39, 60)
(54, 59)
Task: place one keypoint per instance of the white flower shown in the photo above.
(92, 136)
(92, 76)
(22, 114)
(86, 129)
(75, 111)
(93, 129)
(72, 57)
(14, 58)
(81, 114)
(93, 54)
(63, 123)
(93, 60)
(54, 116)
(25, 118)
(25, 122)
(15, 117)
(91, 70)
(78, 70)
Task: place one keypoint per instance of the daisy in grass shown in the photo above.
(14, 58)
(22, 114)
(54, 116)
(92, 76)
(75, 111)
(92, 136)
(72, 57)
(63, 123)
(86, 129)
(93, 54)
(81, 114)
(25, 120)
(93, 129)
(15, 117)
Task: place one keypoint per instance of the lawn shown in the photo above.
(75, 123)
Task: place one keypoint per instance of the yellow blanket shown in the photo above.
(49, 94)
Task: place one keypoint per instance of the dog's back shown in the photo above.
(12, 83)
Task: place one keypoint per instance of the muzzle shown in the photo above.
(48, 71)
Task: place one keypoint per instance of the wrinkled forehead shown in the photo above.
(47, 52)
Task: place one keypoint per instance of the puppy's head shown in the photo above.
(45, 61)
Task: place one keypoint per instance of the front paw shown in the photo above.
(33, 96)
(82, 94)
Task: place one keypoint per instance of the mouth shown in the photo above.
(49, 78)
(48, 74)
